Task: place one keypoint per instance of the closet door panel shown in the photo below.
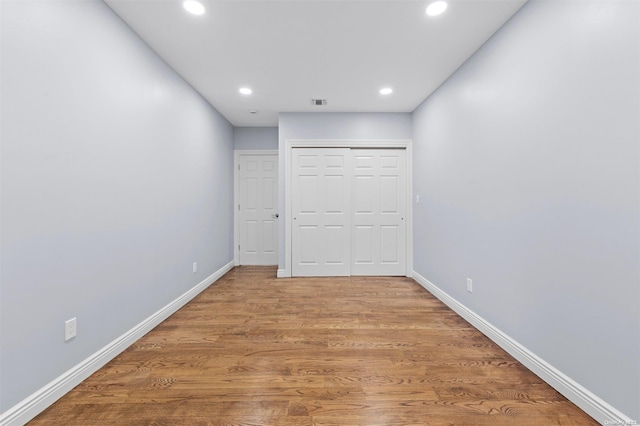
(320, 212)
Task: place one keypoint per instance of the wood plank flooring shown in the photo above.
(256, 350)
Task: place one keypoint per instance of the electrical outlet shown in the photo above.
(70, 329)
(469, 285)
(195, 267)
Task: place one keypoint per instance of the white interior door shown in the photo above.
(378, 204)
(348, 211)
(320, 212)
(257, 209)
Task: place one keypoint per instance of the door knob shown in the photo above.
(275, 216)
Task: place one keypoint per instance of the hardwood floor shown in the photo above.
(256, 350)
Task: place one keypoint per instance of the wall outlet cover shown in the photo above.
(70, 329)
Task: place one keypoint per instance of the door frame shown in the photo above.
(290, 144)
(236, 194)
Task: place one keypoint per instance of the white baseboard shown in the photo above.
(31, 406)
(573, 391)
(283, 273)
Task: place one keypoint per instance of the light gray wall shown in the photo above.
(255, 138)
(116, 176)
(344, 125)
(527, 164)
(335, 126)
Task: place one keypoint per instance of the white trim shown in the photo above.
(345, 143)
(37, 402)
(236, 193)
(593, 405)
(282, 274)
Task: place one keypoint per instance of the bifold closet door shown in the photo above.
(320, 212)
(378, 204)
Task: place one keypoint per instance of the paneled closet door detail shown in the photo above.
(378, 194)
(321, 212)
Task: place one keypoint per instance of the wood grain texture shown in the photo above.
(256, 350)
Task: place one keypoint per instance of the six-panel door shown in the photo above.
(258, 221)
(320, 212)
(378, 203)
(348, 211)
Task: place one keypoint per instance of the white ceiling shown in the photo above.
(290, 51)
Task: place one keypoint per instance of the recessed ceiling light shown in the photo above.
(245, 91)
(193, 6)
(436, 8)
(386, 91)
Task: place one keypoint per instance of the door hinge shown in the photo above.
(238, 166)
(238, 207)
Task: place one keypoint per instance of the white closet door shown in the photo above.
(320, 212)
(258, 219)
(378, 202)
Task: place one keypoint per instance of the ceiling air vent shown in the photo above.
(318, 102)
